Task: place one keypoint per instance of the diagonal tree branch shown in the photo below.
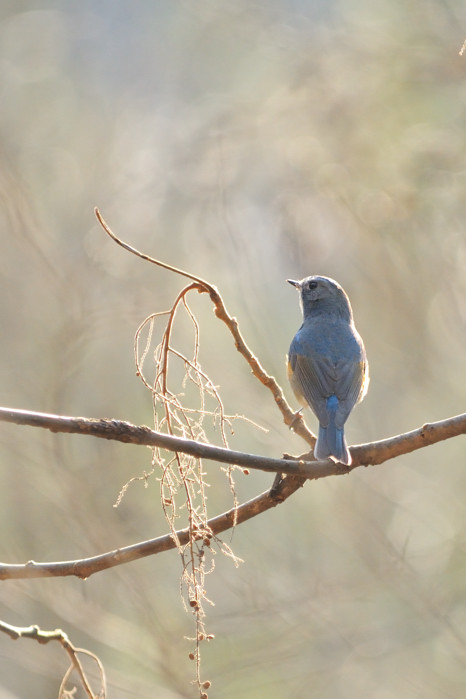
(85, 567)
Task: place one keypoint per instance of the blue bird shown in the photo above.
(327, 364)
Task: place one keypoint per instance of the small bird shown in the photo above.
(327, 365)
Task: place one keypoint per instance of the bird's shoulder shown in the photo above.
(332, 336)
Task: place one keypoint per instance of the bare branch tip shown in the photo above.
(98, 215)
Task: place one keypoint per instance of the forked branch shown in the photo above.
(363, 455)
(35, 633)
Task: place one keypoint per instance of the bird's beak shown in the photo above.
(293, 283)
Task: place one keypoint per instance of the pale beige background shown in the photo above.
(250, 142)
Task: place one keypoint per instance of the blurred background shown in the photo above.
(247, 142)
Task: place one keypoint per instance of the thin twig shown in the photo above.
(35, 633)
(148, 258)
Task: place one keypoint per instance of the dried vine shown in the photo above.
(182, 483)
(182, 479)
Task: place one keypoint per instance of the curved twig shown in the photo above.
(292, 419)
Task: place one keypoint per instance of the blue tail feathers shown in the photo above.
(331, 440)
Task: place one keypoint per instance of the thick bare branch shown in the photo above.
(375, 453)
(366, 454)
(304, 466)
(121, 431)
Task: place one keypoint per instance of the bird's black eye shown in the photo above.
(312, 285)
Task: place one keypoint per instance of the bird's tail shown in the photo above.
(331, 440)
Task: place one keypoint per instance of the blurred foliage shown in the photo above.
(248, 142)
